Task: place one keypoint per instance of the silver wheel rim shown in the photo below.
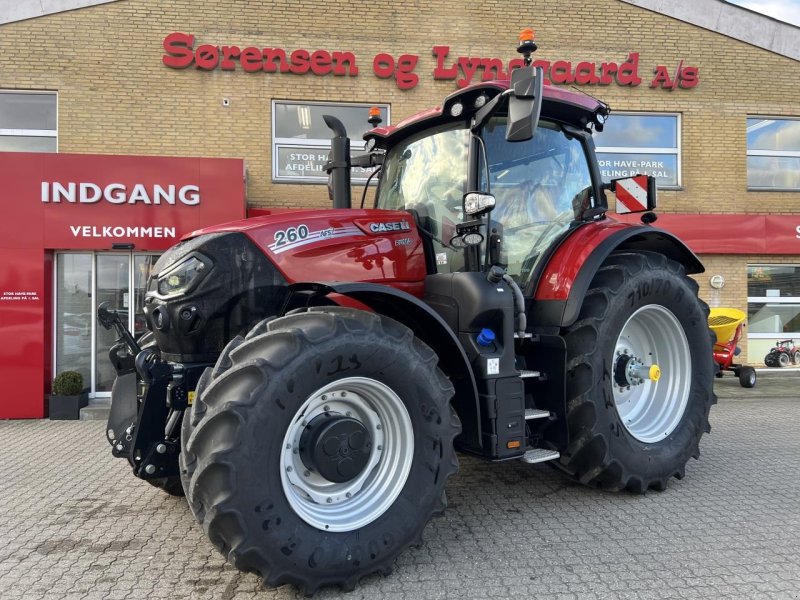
(651, 410)
(350, 505)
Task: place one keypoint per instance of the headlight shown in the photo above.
(478, 203)
(180, 278)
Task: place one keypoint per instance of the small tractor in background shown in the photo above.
(783, 354)
(728, 325)
(308, 375)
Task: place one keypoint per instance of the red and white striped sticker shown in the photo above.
(631, 194)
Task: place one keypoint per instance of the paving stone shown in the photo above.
(76, 525)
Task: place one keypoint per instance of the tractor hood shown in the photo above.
(218, 282)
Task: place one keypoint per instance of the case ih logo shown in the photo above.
(389, 227)
(118, 193)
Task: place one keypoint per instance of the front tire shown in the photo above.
(267, 444)
(747, 377)
(783, 359)
(630, 429)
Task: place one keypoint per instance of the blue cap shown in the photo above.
(486, 337)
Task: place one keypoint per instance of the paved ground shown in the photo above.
(75, 524)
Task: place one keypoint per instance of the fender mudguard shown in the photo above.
(429, 327)
(566, 277)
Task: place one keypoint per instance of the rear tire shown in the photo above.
(269, 510)
(638, 435)
(747, 377)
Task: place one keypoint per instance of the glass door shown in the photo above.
(112, 286)
(84, 280)
(74, 315)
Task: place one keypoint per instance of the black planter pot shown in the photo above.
(67, 408)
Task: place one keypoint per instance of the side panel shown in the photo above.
(566, 278)
(344, 245)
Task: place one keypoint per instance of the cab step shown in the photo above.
(537, 455)
(527, 374)
(535, 413)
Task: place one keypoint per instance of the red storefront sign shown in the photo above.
(731, 233)
(88, 202)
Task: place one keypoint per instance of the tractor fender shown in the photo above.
(569, 272)
(430, 328)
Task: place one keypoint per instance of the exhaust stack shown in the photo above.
(338, 165)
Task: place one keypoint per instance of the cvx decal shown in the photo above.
(301, 235)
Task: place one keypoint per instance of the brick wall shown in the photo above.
(115, 96)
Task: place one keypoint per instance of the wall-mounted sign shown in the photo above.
(180, 52)
(69, 201)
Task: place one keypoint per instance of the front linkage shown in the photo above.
(147, 394)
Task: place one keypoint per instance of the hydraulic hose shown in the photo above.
(519, 305)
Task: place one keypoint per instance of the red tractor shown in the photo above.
(309, 374)
(783, 354)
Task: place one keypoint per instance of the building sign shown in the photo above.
(181, 52)
(76, 202)
(663, 167)
(306, 163)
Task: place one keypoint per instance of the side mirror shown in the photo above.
(478, 203)
(634, 194)
(525, 104)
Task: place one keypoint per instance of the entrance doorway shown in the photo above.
(83, 280)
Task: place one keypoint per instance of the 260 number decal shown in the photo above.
(290, 235)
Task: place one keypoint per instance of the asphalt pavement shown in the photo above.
(75, 524)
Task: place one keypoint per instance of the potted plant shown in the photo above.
(68, 396)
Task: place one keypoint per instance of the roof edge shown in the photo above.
(732, 21)
(12, 11)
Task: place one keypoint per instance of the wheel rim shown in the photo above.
(651, 409)
(349, 505)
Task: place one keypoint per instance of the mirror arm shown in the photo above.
(488, 110)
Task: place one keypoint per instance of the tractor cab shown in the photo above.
(525, 148)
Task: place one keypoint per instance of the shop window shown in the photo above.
(773, 154)
(301, 140)
(773, 307)
(28, 121)
(641, 143)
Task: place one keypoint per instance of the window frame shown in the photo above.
(278, 143)
(677, 151)
(771, 153)
(49, 133)
(770, 300)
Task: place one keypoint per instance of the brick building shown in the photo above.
(703, 94)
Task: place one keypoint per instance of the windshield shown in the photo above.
(541, 186)
(428, 173)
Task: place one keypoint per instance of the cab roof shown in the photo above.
(573, 108)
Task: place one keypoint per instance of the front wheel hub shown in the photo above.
(347, 454)
(335, 446)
